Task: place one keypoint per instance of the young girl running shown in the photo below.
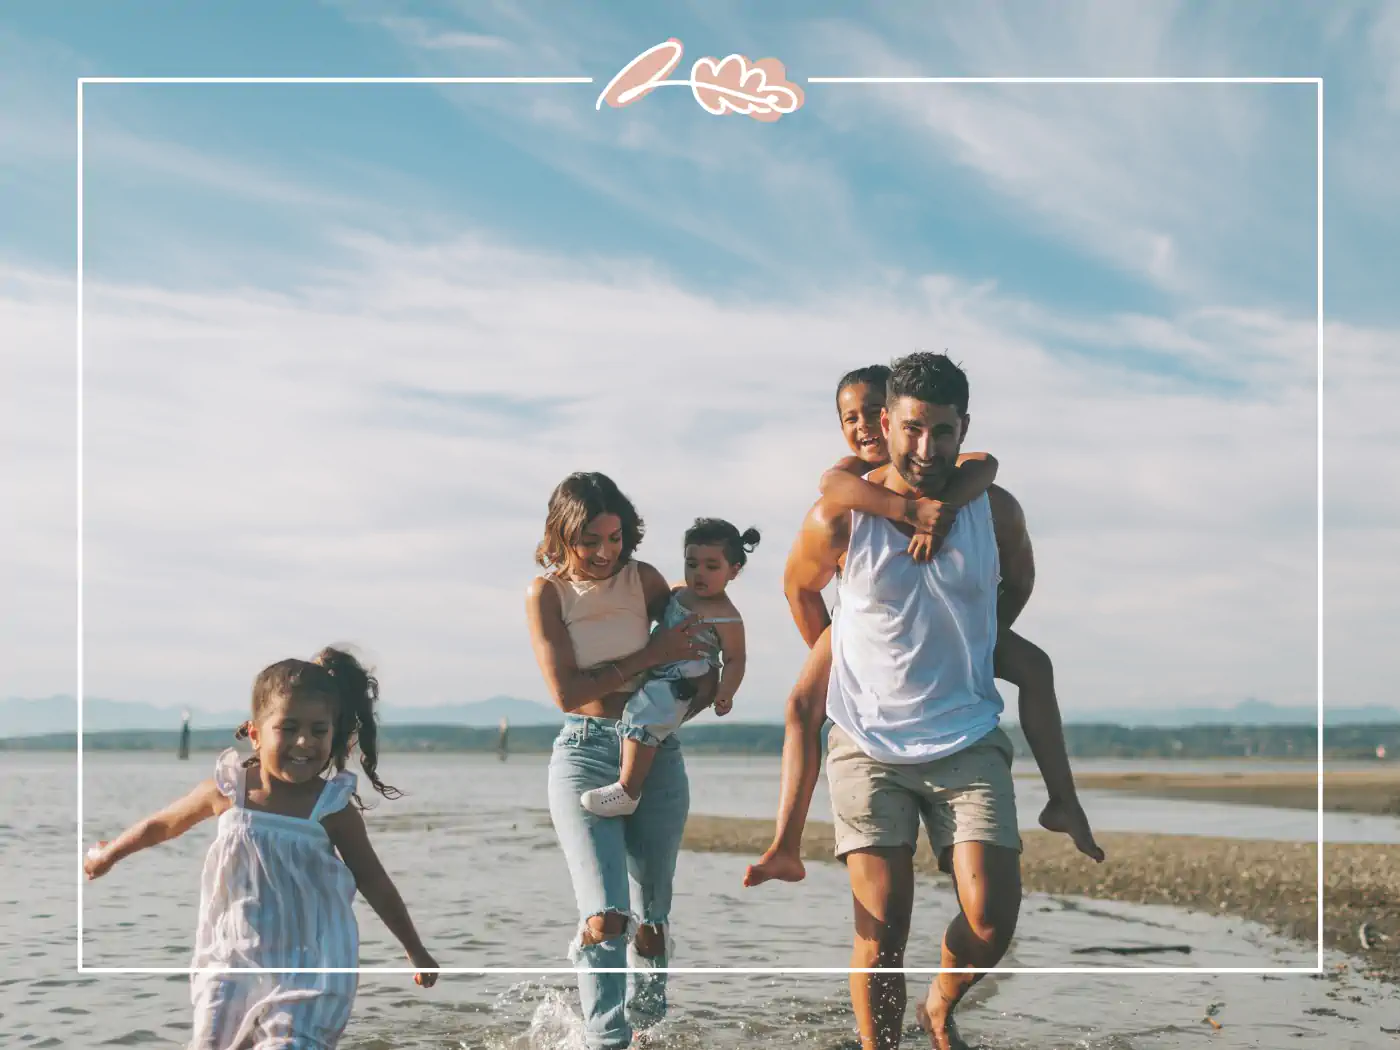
(289, 855)
(715, 553)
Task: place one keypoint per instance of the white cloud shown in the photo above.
(1174, 184)
(111, 148)
(423, 35)
(747, 196)
(38, 439)
(255, 489)
(36, 123)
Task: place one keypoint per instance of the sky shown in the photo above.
(340, 341)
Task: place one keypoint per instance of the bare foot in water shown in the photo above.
(938, 1023)
(775, 864)
(1069, 818)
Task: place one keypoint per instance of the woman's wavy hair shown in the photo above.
(576, 501)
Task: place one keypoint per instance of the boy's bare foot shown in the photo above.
(777, 863)
(1069, 818)
(938, 1022)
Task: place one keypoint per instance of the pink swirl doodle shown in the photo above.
(730, 85)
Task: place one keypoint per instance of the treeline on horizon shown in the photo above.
(1083, 740)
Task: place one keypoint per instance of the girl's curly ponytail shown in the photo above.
(358, 692)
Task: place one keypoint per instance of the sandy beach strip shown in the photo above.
(1350, 791)
(1273, 883)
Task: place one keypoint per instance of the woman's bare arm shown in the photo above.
(655, 590)
(571, 686)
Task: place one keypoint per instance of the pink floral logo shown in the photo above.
(729, 85)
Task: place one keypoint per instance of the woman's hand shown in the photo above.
(424, 961)
(98, 862)
(670, 644)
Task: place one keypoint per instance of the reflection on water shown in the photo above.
(487, 886)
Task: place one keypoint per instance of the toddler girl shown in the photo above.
(715, 553)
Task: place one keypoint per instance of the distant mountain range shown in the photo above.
(59, 714)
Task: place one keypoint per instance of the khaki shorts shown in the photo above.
(966, 797)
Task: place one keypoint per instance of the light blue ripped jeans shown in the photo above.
(616, 862)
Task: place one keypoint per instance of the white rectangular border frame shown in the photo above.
(1145, 970)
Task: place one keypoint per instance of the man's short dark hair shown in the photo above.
(931, 378)
(870, 375)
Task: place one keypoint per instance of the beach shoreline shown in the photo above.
(1272, 883)
(1375, 792)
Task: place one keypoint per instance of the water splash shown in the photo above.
(541, 1015)
(555, 1026)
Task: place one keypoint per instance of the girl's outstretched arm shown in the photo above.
(350, 837)
(205, 801)
(733, 648)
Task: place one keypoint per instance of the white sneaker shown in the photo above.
(611, 801)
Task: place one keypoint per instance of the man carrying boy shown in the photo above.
(910, 667)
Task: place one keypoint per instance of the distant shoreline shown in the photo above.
(1345, 791)
(1197, 743)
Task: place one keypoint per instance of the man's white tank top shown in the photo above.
(912, 643)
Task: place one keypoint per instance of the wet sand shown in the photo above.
(1274, 883)
(1352, 791)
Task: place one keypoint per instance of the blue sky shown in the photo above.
(342, 340)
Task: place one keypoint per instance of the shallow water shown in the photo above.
(479, 867)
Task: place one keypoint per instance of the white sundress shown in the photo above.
(273, 893)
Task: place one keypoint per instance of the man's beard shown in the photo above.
(927, 485)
